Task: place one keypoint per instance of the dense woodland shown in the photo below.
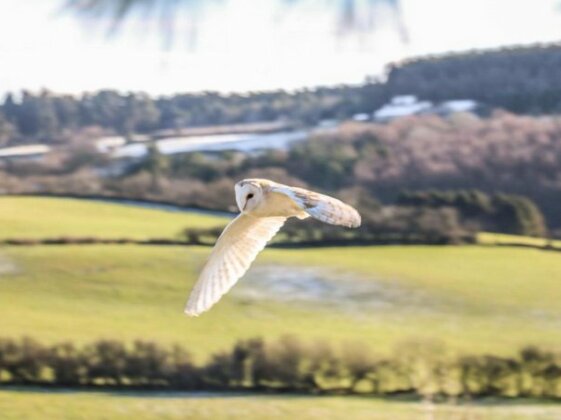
(51, 118)
(425, 370)
(522, 80)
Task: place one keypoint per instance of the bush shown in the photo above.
(68, 364)
(23, 360)
(501, 213)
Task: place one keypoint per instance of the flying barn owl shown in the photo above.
(264, 205)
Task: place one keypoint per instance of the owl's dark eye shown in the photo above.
(249, 196)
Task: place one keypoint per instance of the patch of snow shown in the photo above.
(7, 266)
(241, 142)
(312, 285)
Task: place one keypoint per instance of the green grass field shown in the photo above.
(475, 299)
(41, 217)
(61, 405)
(472, 298)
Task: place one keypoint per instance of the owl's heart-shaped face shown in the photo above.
(248, 196)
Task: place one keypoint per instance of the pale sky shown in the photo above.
(249, 45)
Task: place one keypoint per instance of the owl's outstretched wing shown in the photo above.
(233, 253)
(321, 207)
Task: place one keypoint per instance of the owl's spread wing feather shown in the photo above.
(235, 250)
(321, 207)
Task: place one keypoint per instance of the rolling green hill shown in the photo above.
(37, 217)
(474, 298)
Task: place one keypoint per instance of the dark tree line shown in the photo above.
(49, 117)
(496, 213)
(524, 80)
(285, 365)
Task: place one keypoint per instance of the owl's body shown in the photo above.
(264, 205)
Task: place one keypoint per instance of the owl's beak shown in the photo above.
(241, 205)
(241, 202)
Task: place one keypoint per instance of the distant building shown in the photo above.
(108, 144)
(406, 105)
(27, 152)
(458, 105)
(361, 117)
(401, 106)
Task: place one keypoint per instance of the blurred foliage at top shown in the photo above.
(350, 15)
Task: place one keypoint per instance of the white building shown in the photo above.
(458, 105)
(406, 105)
(401, 106)
(108, 144)
(361, 117)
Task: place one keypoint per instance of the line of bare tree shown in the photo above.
(425, 370)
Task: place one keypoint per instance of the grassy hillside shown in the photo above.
(472, 298)
(72, 405)
(36, 217)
